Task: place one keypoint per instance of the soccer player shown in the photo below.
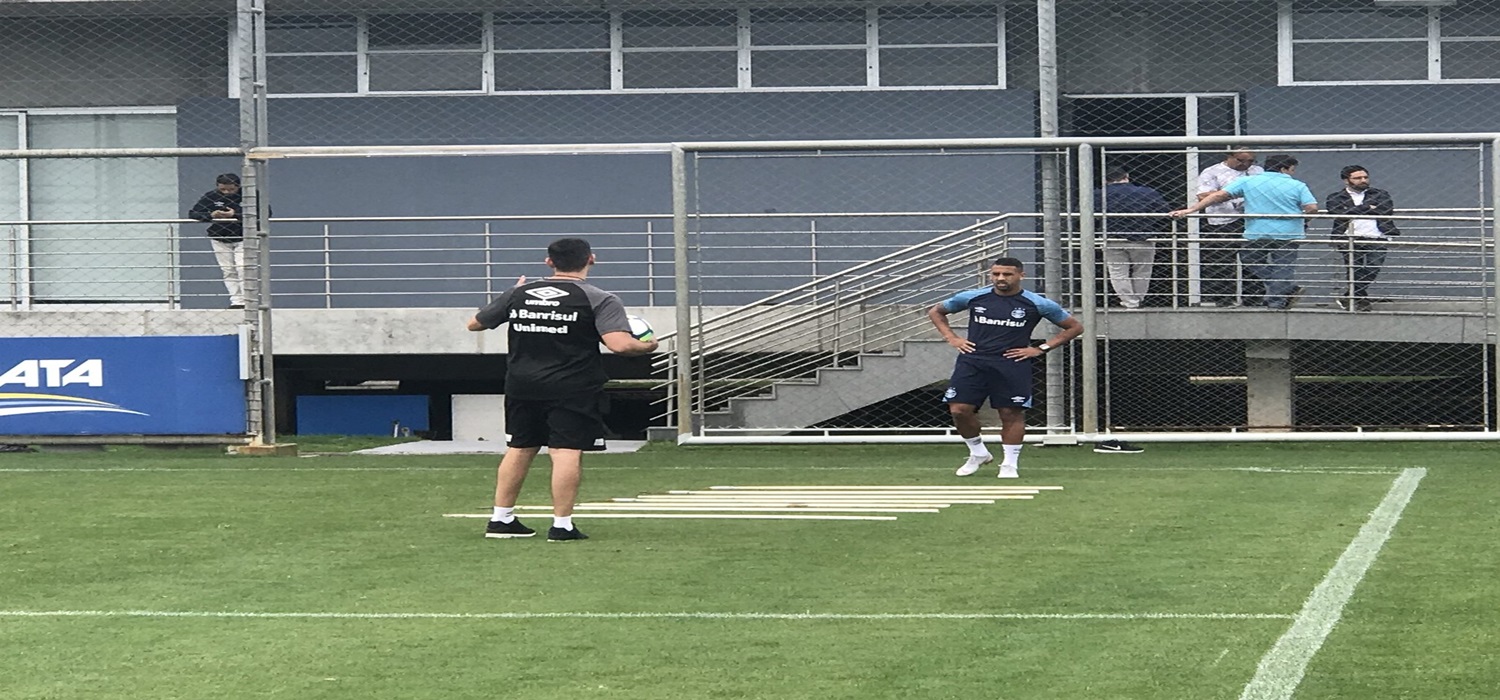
(554, 380)
(994, 362)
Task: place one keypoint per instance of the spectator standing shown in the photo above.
(1129, 252)
(1270, 249)
(220, 208)
(1362, 237)
(1222, 232)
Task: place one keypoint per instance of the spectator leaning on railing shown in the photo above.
(1362, 238)
(1271, 245)
(1128, 250)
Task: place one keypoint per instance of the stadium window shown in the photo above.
(941, 46)
(316, 54)
(825, 47)
(595, 50)
(680, 49)
(433, 52)
(552, 51)
(1330, 41)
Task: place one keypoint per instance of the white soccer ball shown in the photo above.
(640, 330)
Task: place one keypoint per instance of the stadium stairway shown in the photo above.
(839, 390)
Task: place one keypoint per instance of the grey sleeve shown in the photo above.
(609, 313)
(494, 313)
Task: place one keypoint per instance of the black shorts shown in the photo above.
(572, 423)
(1006, 383)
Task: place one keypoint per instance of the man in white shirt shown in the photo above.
(1361, 238)
(1222, 232)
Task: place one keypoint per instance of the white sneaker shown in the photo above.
(974, 463)
(1008, 471)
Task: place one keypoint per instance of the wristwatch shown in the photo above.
(1044, 347)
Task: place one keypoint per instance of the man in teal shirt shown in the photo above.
(1271, 243)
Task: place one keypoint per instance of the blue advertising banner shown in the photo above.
(153, 385)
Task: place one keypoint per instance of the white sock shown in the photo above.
(504, 515)
(1012, 454)
(564, 522)
(976, 447)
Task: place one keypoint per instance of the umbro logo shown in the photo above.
(546, 293)
(1018, 399)
(979, 309)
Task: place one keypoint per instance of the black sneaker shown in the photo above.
(1117, 447)
(557, 534)
(1291, 299)
(514, 528)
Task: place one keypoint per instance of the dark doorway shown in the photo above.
(1165, 172)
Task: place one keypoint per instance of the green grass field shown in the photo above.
(1171, 574)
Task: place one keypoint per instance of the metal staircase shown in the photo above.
(833, 345)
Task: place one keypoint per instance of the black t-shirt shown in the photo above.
(555, 328)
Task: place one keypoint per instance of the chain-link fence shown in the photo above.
(433, 231)
(1381, 307)
(130, 292)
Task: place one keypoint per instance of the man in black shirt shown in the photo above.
(554, 380)
(220, 208)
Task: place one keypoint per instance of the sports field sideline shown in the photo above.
(1191, 571)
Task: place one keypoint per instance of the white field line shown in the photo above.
(866, 495)
(720, 508)
(489, 467)
(699, 516)
(747, 616)
(830, 501)
(1280, 671)
(866, 489)
(894, 503)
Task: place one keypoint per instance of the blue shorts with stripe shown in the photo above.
(1005, 382)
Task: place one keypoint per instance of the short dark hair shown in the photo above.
(227, 179)
(1116, 174)
(1009, 262)
(569, 254)
(1279, 162)
(1350, 170)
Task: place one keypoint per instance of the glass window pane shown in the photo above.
(552, 30)
(808, 67)
(1356, 24)
(552, 71)
(307, 34)
(1471, 21)
(664, 29)
(1362, 62)
(959, 66)
(10, 210)
(939, 25)
(114, 262)
(426, 71)
(429, 31)
(807, 27)
(301, 75)
(694, 69)
(1471, 60)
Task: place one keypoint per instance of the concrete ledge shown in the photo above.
(282, 449)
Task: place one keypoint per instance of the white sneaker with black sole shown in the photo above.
(973, 464)
(1117, 447)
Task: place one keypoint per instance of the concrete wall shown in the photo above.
(614, 184)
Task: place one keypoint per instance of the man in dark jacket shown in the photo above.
(220, 208)
(1361, 238)
(1128, 250)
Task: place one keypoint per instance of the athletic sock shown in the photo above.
(976, 447)
(564, 522)
(1012, 454)
(503, 515)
